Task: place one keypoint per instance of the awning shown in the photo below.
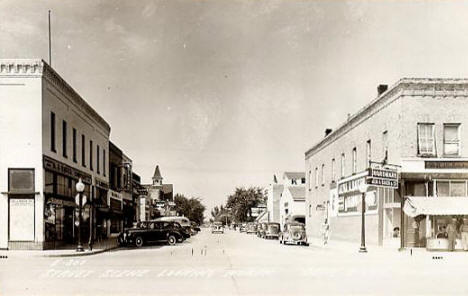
(435, 206)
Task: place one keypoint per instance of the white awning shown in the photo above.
(441, 206)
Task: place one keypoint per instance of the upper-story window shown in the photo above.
(323, 174)
(354, 160)
(83, 151)
(91, 155)
(368, 153)
(333, 170)
(310, 179)
(342, 165)
(316, 177)
(104, 162)
(451, 139)
(74, 145)
(426, 139)
(52, 132)
(64, 139)
(98, 161)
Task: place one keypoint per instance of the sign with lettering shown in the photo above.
(63, 169)
(446, 164)
(21, 219)
(382, 178)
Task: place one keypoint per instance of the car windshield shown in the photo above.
(297, 227)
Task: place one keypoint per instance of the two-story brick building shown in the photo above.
(419, 125)
(50, 137)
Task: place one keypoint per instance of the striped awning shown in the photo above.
(435, 206)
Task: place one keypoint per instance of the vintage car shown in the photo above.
(272, 231)
(151, 232)
(251, 228)
(183, 221)
(293, 233)
(261, 228)
(217, 227)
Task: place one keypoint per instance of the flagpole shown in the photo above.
(50, 43)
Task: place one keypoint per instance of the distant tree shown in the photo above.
(191, 208)
(243, 200)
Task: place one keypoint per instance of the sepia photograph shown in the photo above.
(233, 147)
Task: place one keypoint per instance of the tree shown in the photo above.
(192, 208)
(242, 202)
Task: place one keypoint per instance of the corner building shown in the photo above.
(50, 138)
(420, 126)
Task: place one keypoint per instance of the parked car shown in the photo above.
(183, 221)
(294, 233)
(251, 228)
(151, 232)
(195, 226)
(217, 227)
(272, 231)
(261, 228)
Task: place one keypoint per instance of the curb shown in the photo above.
(79, 254)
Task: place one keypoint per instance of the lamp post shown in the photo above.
(363, 189)
(79, 200)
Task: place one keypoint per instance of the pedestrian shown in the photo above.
(325, 231)
(451, 233)
(464, 234)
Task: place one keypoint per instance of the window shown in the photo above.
(354, 160)
(451, 140)
(98, 161)
(310, 210)
(104, 162)
(74, 145)
(368, 153)
(342, 165)
(446, 188)
(91, 155)
(323, 174)
(64, 138)
(310, 179)
(52, 132)
(316, 177)
(83, 150)
(426, 141)
(333, 170)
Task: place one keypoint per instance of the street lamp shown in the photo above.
(79, 200)
(363, 189)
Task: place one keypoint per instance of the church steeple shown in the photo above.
(157, 178)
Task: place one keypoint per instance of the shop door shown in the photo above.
(68, 226)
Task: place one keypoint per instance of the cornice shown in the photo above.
(39, 68)
(434, 87)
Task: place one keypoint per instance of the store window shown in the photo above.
(451, 140)
(451, 188)
(426, 139)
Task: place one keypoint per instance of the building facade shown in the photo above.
(416, 127)
(292, 199)
(274, 192)
(157, 198)
(50, 138)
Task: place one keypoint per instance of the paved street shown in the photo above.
(236, 264)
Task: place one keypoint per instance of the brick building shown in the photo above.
(418, 125)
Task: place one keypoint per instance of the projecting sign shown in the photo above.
(383, 178)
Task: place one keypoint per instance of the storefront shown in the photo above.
(116, 212)
(102, 210)
(60, 212)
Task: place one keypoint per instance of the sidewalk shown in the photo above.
(66, 251)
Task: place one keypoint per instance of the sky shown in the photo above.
(226, 93)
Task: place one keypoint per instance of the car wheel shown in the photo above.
(138, 241)
(171, 240)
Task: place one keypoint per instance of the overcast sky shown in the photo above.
(225, 93)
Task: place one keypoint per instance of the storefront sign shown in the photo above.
(114, 194)
(382, 178)
(143, 191)
(446, 164)
(101, 184)
(63, 169)
(350, 186)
